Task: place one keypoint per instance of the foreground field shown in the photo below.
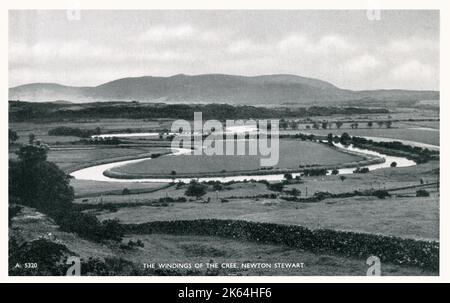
(404, 217)
(173, 249)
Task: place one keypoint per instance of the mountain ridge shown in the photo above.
(211, 88)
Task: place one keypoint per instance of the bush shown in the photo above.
(276, 186)
(87, 225)
(361, 170)
(381, 194)
(13, 211)
(35, 182)
(315, 172)
(195, 189)
(288, 176)
(49, 256)
(422, 193)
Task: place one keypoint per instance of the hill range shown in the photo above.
(213, 88)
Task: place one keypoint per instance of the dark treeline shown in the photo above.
(73, 131)
(38, 183)
(418, 154)
(26, 111)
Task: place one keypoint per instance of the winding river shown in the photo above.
(95, 173)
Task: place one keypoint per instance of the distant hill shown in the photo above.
(212, 88)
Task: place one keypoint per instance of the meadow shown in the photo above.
(293, 153)
(162, 248)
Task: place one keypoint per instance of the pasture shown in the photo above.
(292, 154)
(407, 217)
(72, 158)
(161, 248)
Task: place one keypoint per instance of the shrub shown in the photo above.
(288, 176)
(381, 194)
(35, 182)
(361, 170)
(422, 193)
(195, 189)
(49, 256)
(276, 186)
(315, 172)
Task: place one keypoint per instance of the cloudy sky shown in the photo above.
(346, 48)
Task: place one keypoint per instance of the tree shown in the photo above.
(195, 189)
(12, 136)
(388, 124)
(276, 186)
(342, 178)
(31, 138)
(283, 124)
(380, 124)
(370, 124)
(330, 138)
(325, 125)
(345, 138)
(394, 164)
(35, 182)
(422, 193)
(288, 176)
(339, 124)
(295, 192)
(335, 171)
(32, 155)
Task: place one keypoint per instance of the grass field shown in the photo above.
(404, 217)
(292, 154)
(87, 188)
(403, 214)
(199, 249)
(160, 248)
(72, 158)
(23, 129)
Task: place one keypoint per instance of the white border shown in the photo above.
(442, 5)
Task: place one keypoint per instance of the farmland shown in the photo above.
(167, 249)
(292, 154)
(401, 213)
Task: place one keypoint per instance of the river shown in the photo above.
(95, 173)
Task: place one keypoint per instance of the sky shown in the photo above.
(400, 49)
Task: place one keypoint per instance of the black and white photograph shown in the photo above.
(223, 142)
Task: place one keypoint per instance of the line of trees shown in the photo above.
(74, 131)
(26, 111)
